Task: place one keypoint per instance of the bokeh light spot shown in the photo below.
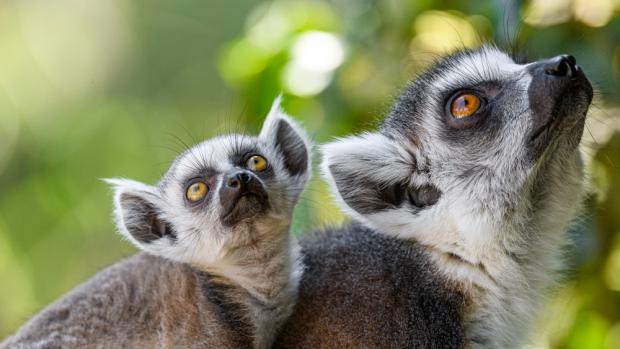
(442, 32)
(595, 13)
(547, 12)
(314, 57)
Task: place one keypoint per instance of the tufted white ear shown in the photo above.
(289, 140)
(137, 209)
(371, 173)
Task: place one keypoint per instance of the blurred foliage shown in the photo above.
(95, 89)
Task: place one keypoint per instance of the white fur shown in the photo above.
(488, 63)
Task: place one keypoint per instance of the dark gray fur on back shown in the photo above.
(142, 302)
(361, 289)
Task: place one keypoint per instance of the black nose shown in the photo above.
(238, 180)
(563, 65)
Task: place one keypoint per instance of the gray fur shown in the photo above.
(361, 289)
(142, 302)
(484, 204)
(219, 272)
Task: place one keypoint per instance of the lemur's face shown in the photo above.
(475, 133)
(219, 194)
(482, 108)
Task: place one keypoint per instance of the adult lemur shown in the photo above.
(462, 200)
(223, 211)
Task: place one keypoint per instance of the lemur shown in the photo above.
(461, 201)
(219, 267)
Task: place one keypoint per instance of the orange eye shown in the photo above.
(196, 191)
(257, 163)
(465, 105)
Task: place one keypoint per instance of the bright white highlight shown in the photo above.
(314, 57)
(318, 51)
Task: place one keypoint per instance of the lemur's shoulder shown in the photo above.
(142, 301)
(365, 289)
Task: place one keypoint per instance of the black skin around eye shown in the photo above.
(209, 181)
(242, 161)
(464, 122)
(254, 160)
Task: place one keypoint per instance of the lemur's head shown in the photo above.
(476, 135)
(222, 194)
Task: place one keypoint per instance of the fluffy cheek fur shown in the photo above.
(191, 232)
(204, 242)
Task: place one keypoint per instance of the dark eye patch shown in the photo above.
(204, 175)
(485, 123)
(479, 113)
(239, 158)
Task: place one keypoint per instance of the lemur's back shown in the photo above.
(364, 290)
(144, 301)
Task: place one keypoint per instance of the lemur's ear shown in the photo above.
(138, 217)
(289, 139)
(371, 173)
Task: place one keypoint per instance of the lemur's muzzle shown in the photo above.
(238, 182)
(242, 196)
(559, 96)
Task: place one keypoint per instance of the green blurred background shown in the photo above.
(95, 89)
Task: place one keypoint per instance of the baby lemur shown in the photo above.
(461, 199)
(219, 269)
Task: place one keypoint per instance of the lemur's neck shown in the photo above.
(506, 259)
(262, 274)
